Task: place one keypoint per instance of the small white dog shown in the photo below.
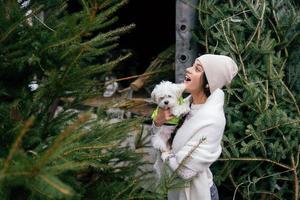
(168, 95)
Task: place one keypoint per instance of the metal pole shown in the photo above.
(186, 48)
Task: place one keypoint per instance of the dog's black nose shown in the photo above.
(166, 102)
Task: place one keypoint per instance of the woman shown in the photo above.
(199, 137)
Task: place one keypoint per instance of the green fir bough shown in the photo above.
(261, 143)
(46, 154)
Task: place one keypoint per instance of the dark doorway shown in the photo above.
(154, 32)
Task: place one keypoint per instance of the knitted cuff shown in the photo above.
(166, 155)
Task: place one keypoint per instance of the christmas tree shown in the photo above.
(261, 143)
(52, 57)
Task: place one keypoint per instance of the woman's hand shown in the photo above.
(163, 115)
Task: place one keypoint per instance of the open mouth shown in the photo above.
(187, 78)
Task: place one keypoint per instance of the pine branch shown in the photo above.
(280, 125)
(92, 147)
(257, 159)
(17, 144)
(69, 130)
(17, 24)
(57, 185)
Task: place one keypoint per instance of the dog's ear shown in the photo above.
(153, 96)
(180, 89)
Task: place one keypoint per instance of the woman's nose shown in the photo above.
(187, 70)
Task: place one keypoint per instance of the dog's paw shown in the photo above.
(158, 143)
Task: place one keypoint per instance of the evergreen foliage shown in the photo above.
(261, 143)
(46, 154)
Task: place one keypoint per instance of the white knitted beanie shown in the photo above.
(219, 70)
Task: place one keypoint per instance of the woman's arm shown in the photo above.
(183, 172)
(201, 151)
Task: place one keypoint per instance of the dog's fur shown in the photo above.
(166, 95)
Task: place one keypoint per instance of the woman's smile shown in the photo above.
(187, 78)
(192, 78)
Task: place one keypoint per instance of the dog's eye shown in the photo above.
(169, 96)
(161, 98)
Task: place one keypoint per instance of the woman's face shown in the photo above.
(194, 78)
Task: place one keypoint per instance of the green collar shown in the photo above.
(174, 120)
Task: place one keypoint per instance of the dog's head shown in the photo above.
(166, 94)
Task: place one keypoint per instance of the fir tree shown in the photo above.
(261, 142)
(45, 154)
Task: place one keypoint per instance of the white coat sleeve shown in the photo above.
(198, 156)
(183, 172)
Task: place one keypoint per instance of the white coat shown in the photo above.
(204, 121)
